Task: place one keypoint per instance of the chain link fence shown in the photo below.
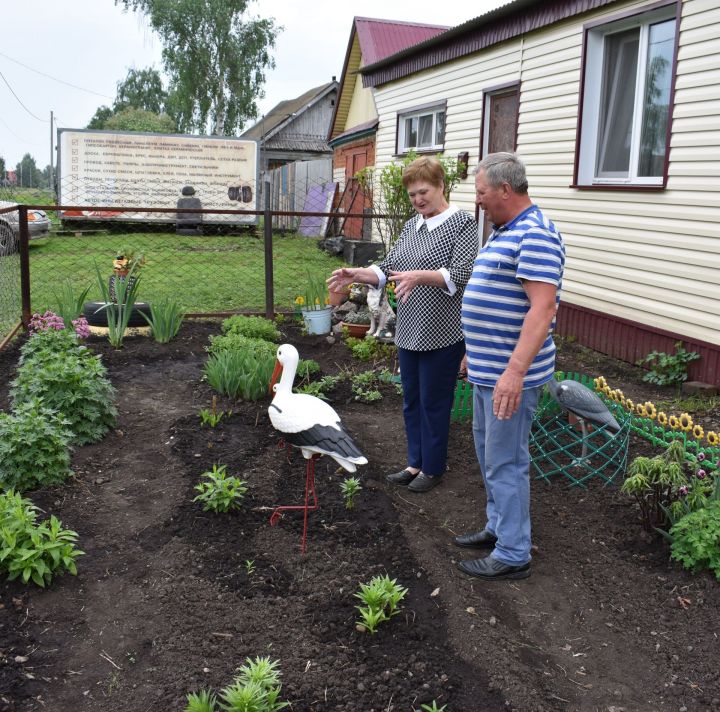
(250, 248)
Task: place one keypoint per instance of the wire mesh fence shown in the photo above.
(247, 248)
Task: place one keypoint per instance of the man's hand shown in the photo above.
(507, 394)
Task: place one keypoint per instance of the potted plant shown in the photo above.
(315, 306)
(125, 262)
(357, 323)
(339, 296)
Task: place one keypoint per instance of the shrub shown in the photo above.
(45, 344)
(657, 483)
(220, 492)
(696, 539)
(239, 374)
(254, 327)
(32, 551)
(33, 447)
(72, 382)
(238, 342)
(668, 369)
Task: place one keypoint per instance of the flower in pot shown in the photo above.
(126, 266)
(314, 306)
(357, 323)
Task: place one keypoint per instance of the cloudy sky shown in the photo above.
(67, 56)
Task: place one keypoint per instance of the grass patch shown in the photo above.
(208, 273)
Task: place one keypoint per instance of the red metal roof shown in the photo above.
(381, 38)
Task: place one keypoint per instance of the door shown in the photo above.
(500, 121)
(355, 199)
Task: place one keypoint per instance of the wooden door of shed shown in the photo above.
(355, 199)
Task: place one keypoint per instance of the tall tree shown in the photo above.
(28, 175)
(100, 117)
(141, 89)
(131, 119)
(2, 168)
(215, 56)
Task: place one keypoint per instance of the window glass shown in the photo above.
(656, 106)
(439, 128)
(425, 132)
(617, 103)
(411, 132)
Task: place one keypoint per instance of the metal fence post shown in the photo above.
(267, 230)
(24, 265)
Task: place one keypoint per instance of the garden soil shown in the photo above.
(170, 599)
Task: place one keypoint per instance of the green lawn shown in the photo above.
(208, 273)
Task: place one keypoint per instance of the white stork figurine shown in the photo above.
(309, 424)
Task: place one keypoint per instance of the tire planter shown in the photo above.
(96, 315)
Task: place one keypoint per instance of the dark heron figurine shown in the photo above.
(578, 399)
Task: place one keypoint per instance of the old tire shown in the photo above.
(97, 316)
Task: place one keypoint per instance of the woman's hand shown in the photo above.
(341, 278)
(405, 282)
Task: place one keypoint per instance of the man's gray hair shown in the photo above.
(503, 167)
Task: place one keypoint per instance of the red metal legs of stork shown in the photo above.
(309, 492)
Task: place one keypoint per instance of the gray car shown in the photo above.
(38, 226)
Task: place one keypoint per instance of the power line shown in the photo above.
(44, 121)
(55, 79)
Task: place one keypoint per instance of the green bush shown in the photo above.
(32, 551)
(33, 447)
(238, 342)
(45, 344)
(220, 492)
(72, 382)
(254, 327)
(240, 374)
(696, 539)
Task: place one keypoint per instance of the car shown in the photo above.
(38, 226)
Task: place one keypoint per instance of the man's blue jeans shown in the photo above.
(502, 448)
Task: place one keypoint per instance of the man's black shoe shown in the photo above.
(404, 477)
(476, 540)
(493, 570)
(423, 483)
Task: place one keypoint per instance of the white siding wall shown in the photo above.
(653, 258)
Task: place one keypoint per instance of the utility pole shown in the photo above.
(52, 183)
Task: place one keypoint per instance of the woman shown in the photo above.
(430, 264)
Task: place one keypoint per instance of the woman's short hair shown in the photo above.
(425, 168)
(502, 168)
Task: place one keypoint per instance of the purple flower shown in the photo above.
(700, 474)
(82, 329)
(701, 456)
(683, 490)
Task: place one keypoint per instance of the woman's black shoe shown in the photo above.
(423, 483)
(404, 477)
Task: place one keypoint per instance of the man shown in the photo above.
(508, 312)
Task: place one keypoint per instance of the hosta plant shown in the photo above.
(30, 550)
(381, 596)
(34, 442)
(220, 492)
(72, 382)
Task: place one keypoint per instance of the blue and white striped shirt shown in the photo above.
(494, 305)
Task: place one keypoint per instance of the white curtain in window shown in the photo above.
(617, 103)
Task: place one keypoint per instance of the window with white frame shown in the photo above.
(626, 103)
(421, 129)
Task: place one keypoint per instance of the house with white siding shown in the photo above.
(615, 107)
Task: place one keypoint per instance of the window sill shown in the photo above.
(420, 152)
(637, 187)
